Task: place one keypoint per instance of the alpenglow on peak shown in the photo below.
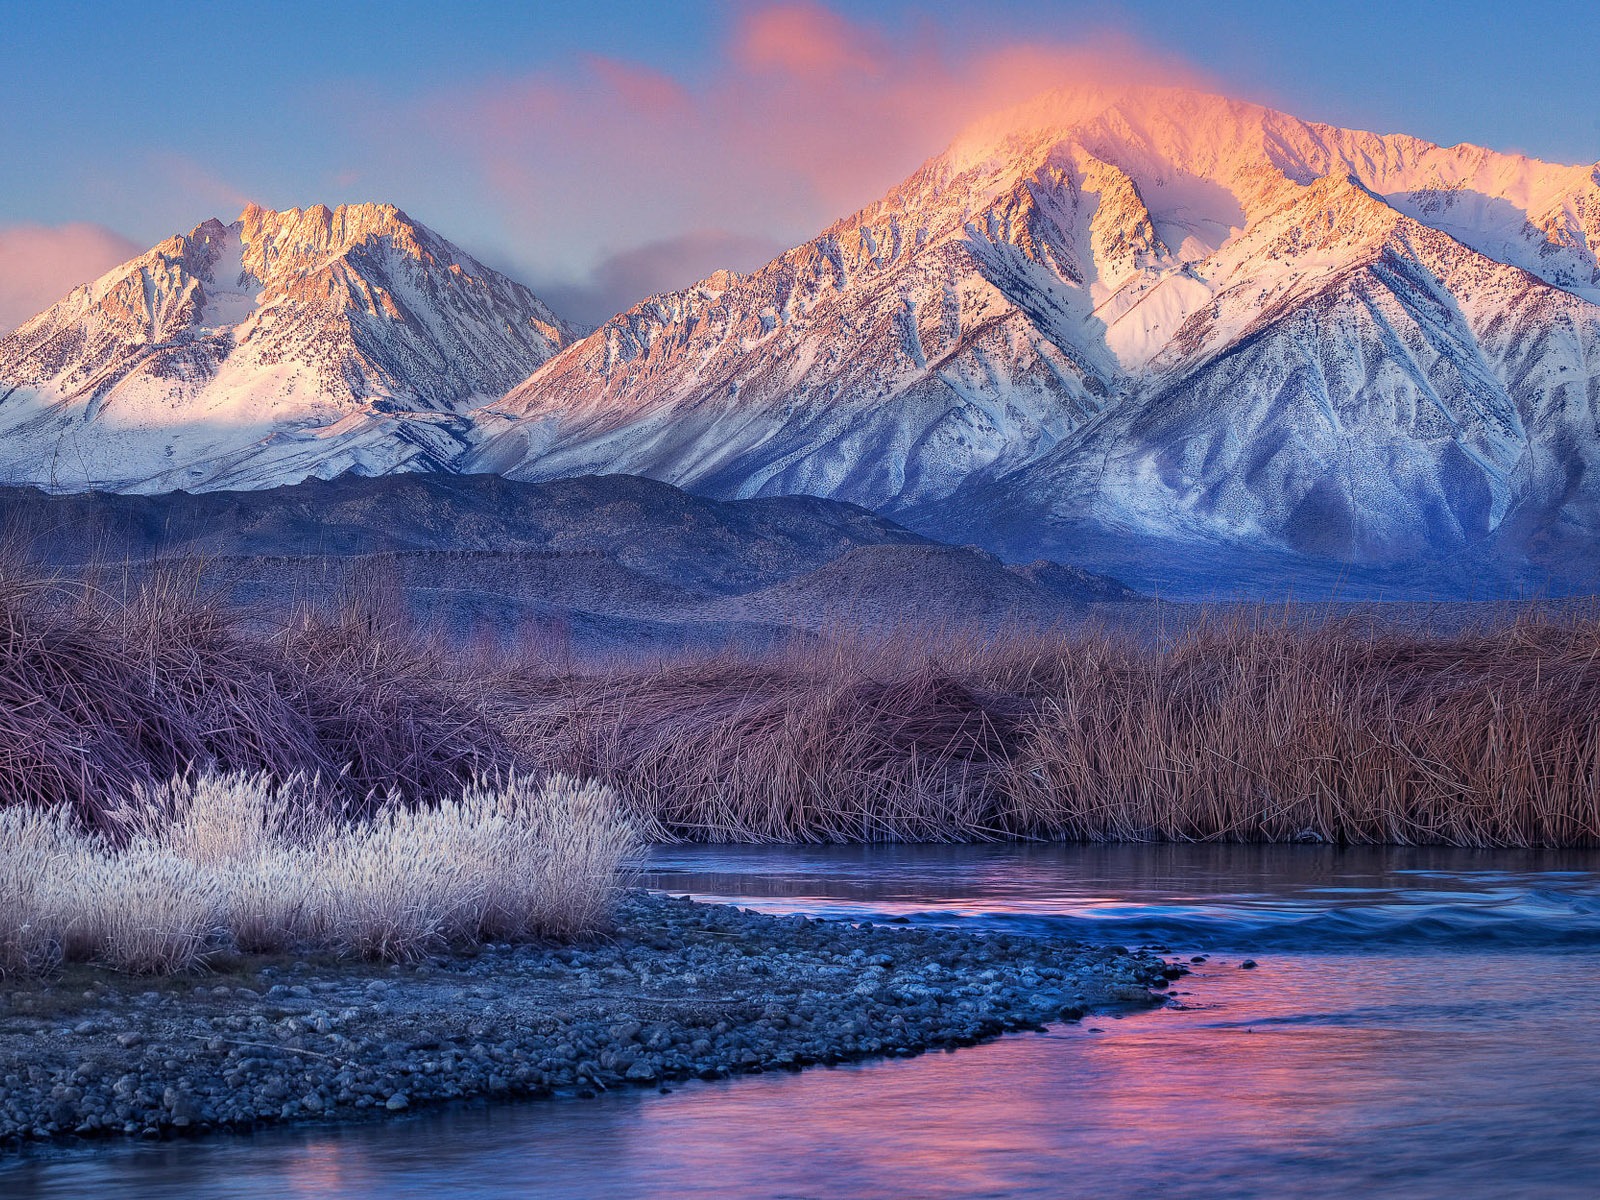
(1148, 313)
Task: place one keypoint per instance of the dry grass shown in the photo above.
(1241, 729)
(816, 745)
(104, 693)
(1249, 733)
(238, 863)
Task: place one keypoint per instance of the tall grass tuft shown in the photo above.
(36, 845)
(107, 690)
(843, 742)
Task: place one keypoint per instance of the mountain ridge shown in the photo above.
(1140, 313)
(967, 342)
(612, 560)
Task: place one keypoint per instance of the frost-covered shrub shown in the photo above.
(507, 859)
(236, 861)
(35, 846)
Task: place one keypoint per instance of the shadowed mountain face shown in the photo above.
(612, 561)
(638, 523)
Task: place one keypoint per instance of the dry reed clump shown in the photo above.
(244, 863)
(1242, 729)
(1336, 733)
(779, 752)
(105, 691)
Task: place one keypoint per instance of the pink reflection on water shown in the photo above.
(1301, 1078)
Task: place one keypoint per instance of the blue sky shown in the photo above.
(501, 125)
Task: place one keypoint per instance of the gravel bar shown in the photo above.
(679, 990)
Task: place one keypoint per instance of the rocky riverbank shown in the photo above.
(679, 990)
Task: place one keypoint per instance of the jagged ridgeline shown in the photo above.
(1152, 316)
(284, 345)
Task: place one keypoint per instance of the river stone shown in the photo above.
(707, 989)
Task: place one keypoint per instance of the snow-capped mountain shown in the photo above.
(1135, 318)
(285, 345)
(1155, 311)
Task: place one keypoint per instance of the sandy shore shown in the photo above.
(679, 990)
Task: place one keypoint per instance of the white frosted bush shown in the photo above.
(214, 819)
(35, 847)
(141, 910)
(554, 858)
(388, 889)
(506, 860)
(252, 836)
(269, 902)
(237, 859)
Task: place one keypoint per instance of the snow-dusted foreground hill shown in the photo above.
(288, 344)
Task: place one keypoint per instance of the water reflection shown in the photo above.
(1451, 1067)
(1237, 897)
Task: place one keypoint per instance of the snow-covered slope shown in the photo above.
(1168, 313)
(288, 344)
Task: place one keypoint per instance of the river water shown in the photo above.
(1420, 1023)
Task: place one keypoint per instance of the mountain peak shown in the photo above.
(1157, 129)
(313, 341)
(1159, 309)
(1156, 312)
(319, 229)
(363, 213)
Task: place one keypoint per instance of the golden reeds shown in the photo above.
(1244, 726)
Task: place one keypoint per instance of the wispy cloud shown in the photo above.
(807, 39)
(39, 264)
(201, 186)
(622, 279)
(805, 116)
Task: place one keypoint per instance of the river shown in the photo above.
(1419, 1023)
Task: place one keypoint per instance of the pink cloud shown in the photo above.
(639, 88)
(804, 39)
(805, 117)
(40, 264)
